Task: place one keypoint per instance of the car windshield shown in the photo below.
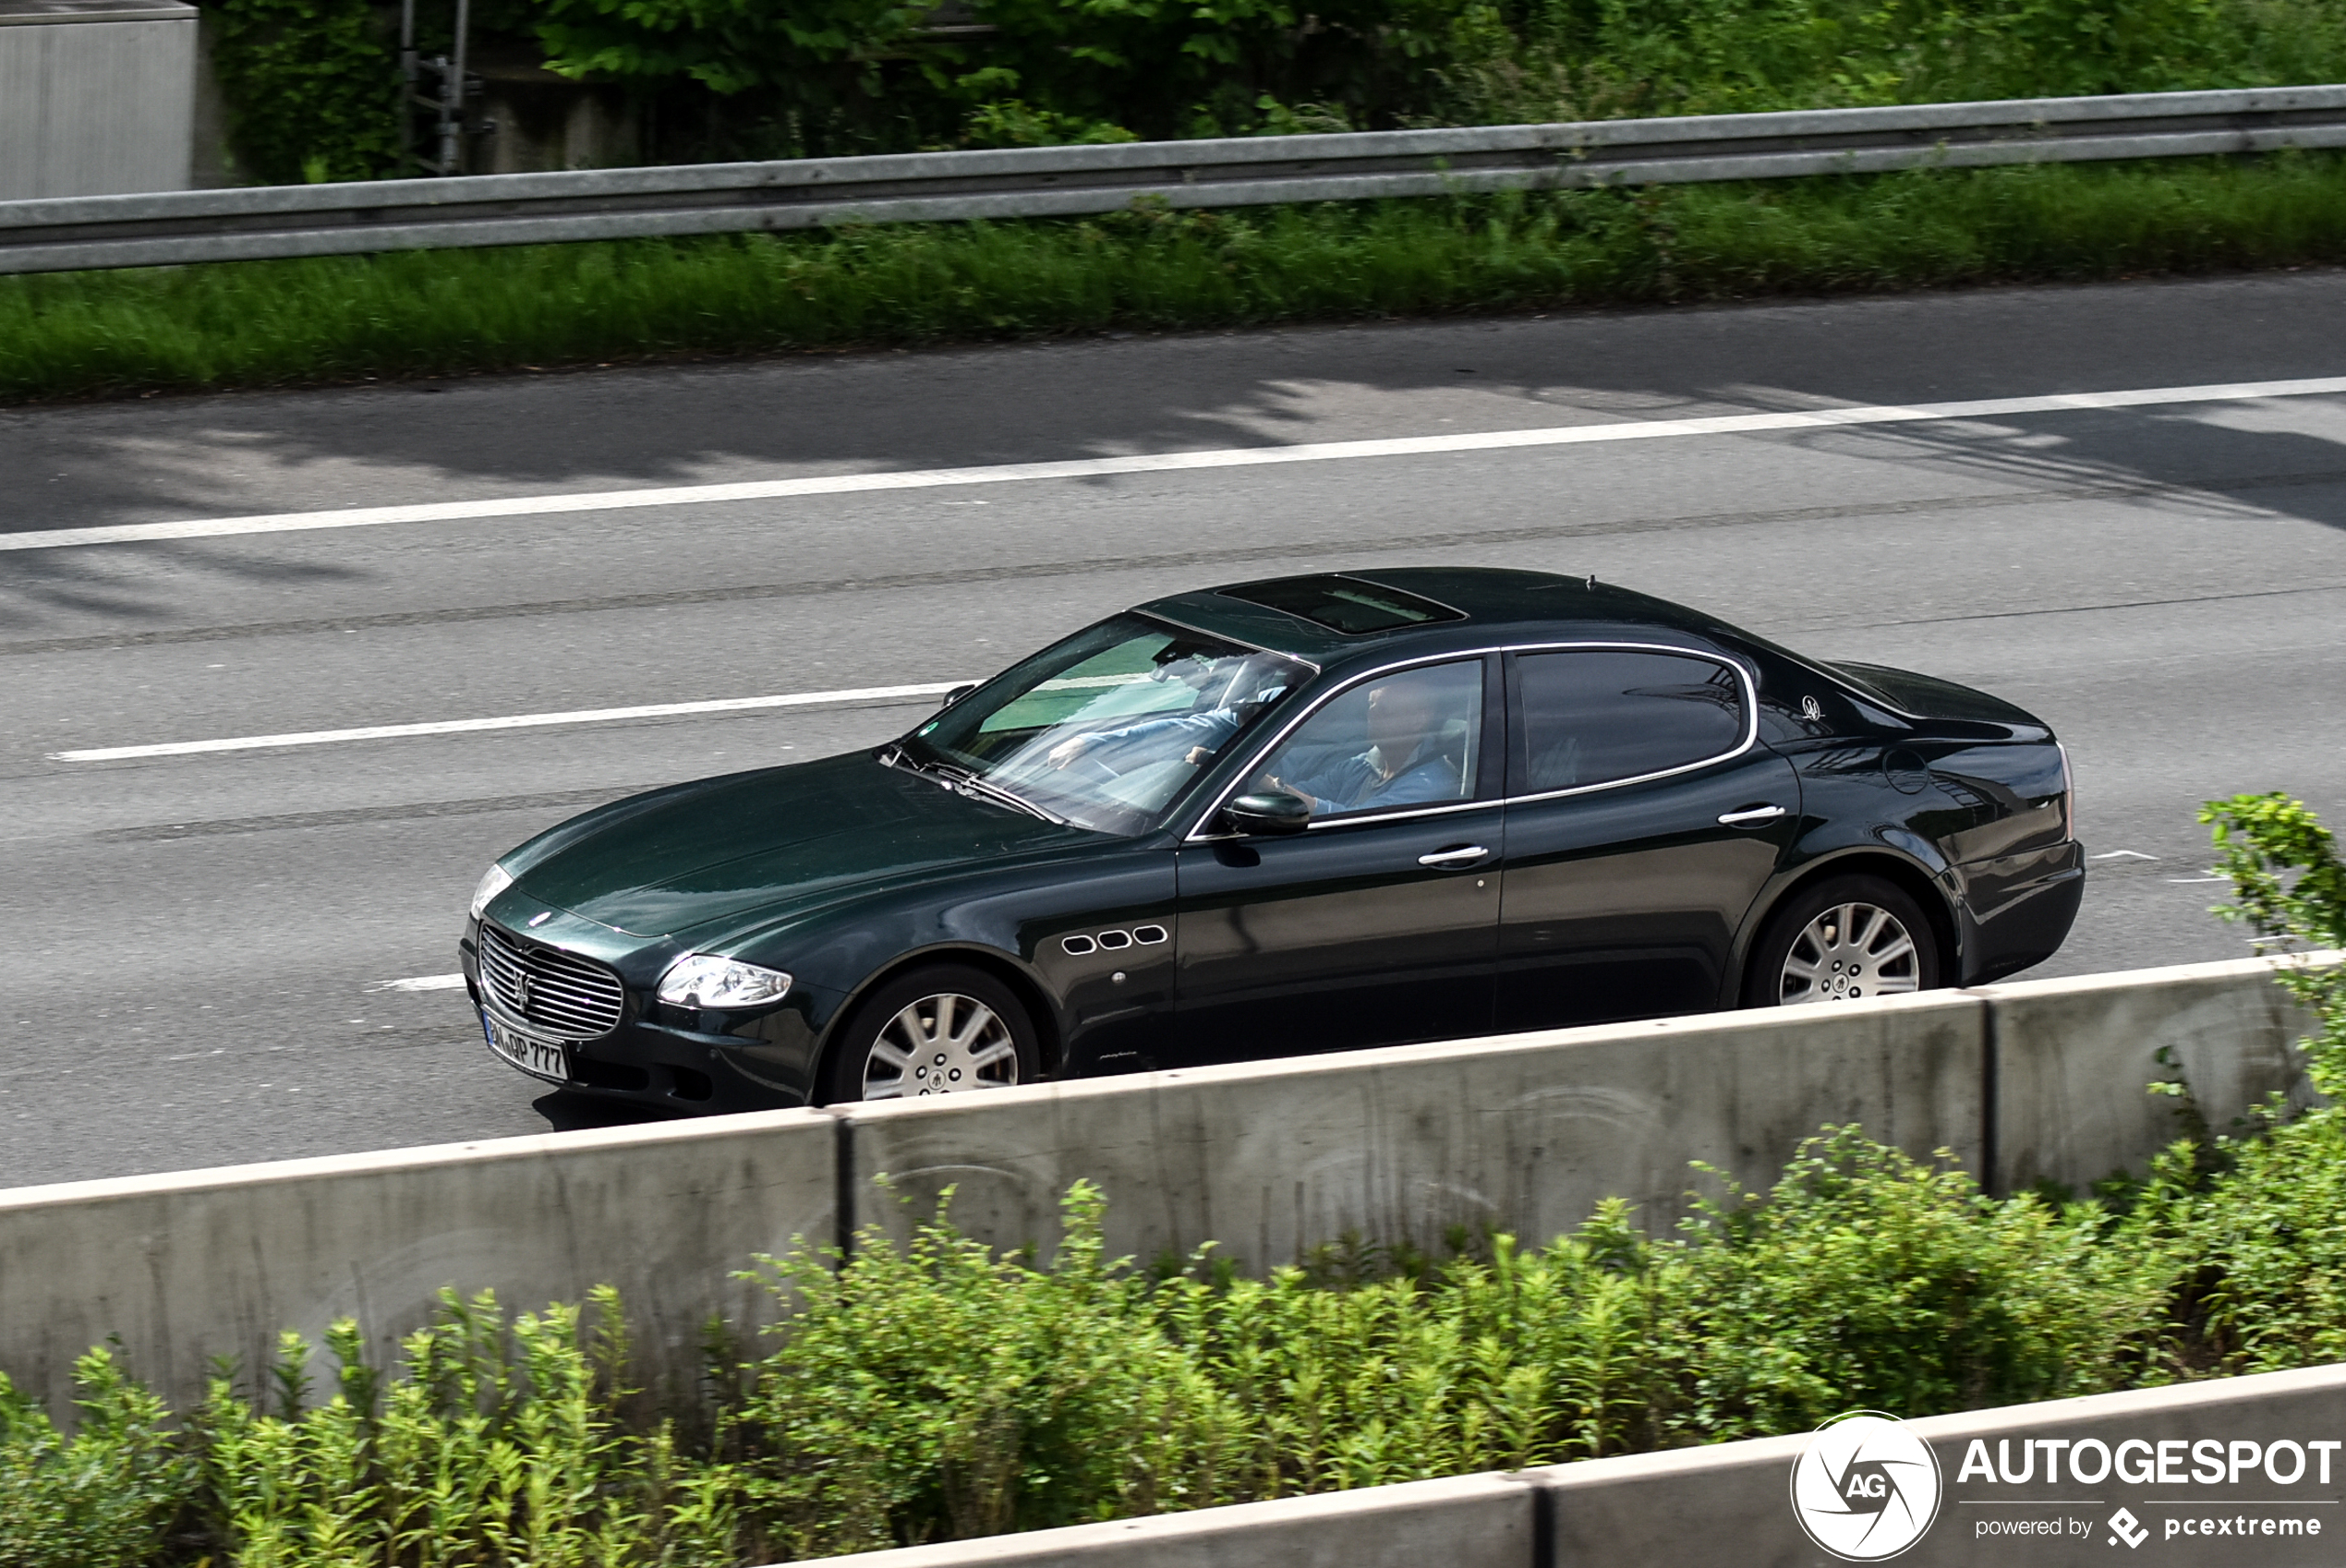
(1108, 728)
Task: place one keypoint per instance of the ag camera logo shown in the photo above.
(1866, 1489)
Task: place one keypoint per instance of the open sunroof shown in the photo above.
(1345, 605)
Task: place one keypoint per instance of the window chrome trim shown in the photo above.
(1750, 689)
(1449, 808)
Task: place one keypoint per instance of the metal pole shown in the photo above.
(407, 73)
(452, 155)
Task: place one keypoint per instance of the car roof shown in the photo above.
(1489, 601)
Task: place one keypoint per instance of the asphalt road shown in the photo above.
(196, 944)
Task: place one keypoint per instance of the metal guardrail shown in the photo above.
(282, 221)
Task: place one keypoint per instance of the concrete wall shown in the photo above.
(2072, 1058)
(97, 97)
(207, 1263)
(1526, 1132)
(1729, 1506)
(542, 122)
(1465, 1521)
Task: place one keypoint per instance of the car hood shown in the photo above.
(659, 864)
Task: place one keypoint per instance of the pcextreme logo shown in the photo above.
(1866, 1489)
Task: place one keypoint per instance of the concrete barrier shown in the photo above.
(2072, 1058)
(188, 1266)
(1525, 1132)
(1489, 1521)
(1731, 1505)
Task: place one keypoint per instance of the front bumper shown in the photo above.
(674, 1060)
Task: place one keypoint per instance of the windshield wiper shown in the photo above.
(965, 782)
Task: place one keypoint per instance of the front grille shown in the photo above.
(568, 996)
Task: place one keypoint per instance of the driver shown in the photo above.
(1405, 764)
(1248, 685)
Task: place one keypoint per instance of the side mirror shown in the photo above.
(956, 694)
(1273, 811)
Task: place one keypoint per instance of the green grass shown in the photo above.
(278, 323)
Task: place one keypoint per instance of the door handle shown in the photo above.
(1455, 859)
(1751, 816)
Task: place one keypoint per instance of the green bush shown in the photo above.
(107, 1496)
(501, 1443)
(2253, 1222)
(2289, 884)
(938, 1392)
(1869, 1281)
(2255, 1252)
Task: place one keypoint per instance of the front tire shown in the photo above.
(1843, 940)
(948, 1029)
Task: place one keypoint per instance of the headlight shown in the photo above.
(497, 880)
(703, 980)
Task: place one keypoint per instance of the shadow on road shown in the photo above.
(655, 426)
(566, 1112)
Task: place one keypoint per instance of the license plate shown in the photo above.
(540, 1058)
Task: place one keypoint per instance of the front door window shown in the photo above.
(1411, 739)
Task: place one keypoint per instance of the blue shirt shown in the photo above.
(1355, 783)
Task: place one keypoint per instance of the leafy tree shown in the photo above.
(311, 87)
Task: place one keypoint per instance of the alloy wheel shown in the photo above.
(1851, 951)
(941, 1044)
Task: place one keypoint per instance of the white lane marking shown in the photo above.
(422, 983)
(512, 721)
(2123, 855)
(1170, 462)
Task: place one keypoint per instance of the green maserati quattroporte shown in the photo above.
(1287, 816)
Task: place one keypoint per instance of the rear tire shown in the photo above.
(944, 1029)
(1843, 940)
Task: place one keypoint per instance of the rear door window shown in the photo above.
(1598, 715)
